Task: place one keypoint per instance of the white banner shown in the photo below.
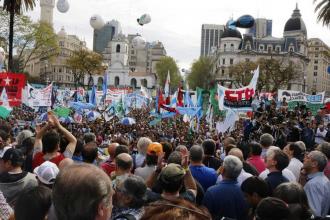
(38, 97)
(300, 96)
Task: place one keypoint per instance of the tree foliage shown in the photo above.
(201, 73)
(30, 40)
(84, 62)
(323, 9)
(165, 65)
(274, 73)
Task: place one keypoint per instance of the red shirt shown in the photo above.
(257, 162)
(38, 159)
(108, 167)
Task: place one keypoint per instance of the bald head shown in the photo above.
(237, 153)
(112, 150)
(124, 162)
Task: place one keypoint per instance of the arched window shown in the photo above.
(232, 47)
(118, 48)
(133, 83)
(117, 81)
(144, 82)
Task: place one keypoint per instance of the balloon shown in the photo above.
(96, 22)
(231, 24)
(144, 19)
(329, 69)
(62, 6)
(139, 42)
(245, 21)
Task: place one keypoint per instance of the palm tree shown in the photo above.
(15, 7)
(323, 8)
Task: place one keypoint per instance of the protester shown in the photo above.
(271, 208)
(255, 157)
(46, 173)
(204, 175)
(82, 191)
(109, 165)
(325, 149)
(89, 152)
(232, 203)
(33, 203)
(6, 212)
(294, 152)
(210, 160)
(317, 187)
(124, 165)
(14, 180)
(142, 146)
(266, 140)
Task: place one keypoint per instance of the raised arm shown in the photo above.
(40, 131)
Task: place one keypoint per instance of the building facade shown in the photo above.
(102, 37)
(235, 48)
(318, 79)
(46, 11)
(210, 38)
(262, 28)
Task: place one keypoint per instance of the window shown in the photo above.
(316, 55)
(117, 81)
(315, 73)
(132, 52)
(269, 49)
(232, 47)
(316, 61)
(223, 61)
(231, 61)
(59, 70)
(261, 47)
(224, 47)
(315, 68)
(316, 48)
(61, 43)
(118, 48)
(133, 83)
(223, 72)
(247, 60)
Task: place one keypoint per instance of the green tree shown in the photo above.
(323, 9)
(165, 65)
(201, 73)
(84, 62)
(15, 7)
(30, 40)
(274, 73)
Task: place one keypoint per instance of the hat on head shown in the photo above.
(47, 172)
(13, 155)
(155, 148)
(23, 135)
(171, 173)
(4, 151)
(272, 208)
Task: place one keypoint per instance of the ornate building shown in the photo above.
(291, 47)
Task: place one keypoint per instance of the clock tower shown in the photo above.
(47, 7)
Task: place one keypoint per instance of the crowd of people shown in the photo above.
(273, 165)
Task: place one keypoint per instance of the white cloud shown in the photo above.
(177, 23)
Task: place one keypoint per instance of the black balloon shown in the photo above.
(245, 21)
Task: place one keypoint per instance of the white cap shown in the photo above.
(47, 172)
(3, 151)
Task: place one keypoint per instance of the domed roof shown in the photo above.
(231, 33)
(62, 33)
(295, 23)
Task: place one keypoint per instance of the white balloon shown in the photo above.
(62, 6)
(144, 19)
(96, 22)
(139, 42)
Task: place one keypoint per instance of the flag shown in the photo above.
(62, 112)
(187, 100)
(4, 108)
(167, 85)
(105, 85)
(92, 97)
(180, 96)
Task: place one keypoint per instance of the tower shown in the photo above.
(119, 51)
(46, 13)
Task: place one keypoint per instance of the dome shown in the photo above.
(231, 33)
(62, 33)
(295, 23)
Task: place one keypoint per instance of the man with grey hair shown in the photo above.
(204, 175)
(142, 146)
(89, 137)
(317, 187)
(129, 198)
(266, 140)
(226, 199)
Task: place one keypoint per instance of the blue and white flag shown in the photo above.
(92, 97)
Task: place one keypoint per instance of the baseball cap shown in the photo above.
(171, 173)
(3, 151)
(23, 135)
(155, 148)
(47, 172)
(13, 155)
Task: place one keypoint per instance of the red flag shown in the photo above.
(180, 96)
(14, 83)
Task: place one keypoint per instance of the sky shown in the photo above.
(177, 23)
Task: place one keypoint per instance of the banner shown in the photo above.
(14, 84)
(300, 96)
(238, 99)
(39, 97)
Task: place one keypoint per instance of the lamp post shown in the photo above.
(305, 84)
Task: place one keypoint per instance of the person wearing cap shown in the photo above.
(47, 143)
(153, 151)
(46, 173)
(317, 187)
(14, 180)
(226, 198)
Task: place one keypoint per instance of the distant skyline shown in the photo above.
(178, 23)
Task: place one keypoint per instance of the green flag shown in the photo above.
(4, 112)
(62, 112)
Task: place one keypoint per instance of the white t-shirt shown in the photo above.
(319, 136)
(286, 173)
(295, 166)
